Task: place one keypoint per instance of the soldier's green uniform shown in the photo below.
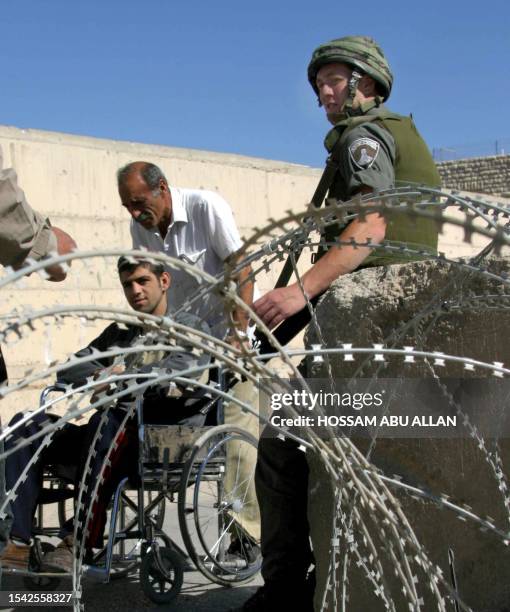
(376, 148)
(23, 233)
(373, 148)
(380, 149)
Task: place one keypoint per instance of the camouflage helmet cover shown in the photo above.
(361, 52)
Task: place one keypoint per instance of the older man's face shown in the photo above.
(148, 207)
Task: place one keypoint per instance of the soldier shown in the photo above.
(371, 149)
(24, 233)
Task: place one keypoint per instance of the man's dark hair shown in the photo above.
(130, 264)
(150, 173)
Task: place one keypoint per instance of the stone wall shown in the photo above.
(377, 306)
(478, 174)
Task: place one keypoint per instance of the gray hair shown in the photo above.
(150, 173)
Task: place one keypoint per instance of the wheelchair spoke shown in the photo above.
(210, 505)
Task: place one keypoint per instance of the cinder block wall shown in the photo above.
(489, 175)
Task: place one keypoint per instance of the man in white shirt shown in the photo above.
(198, 228)
(192, 225)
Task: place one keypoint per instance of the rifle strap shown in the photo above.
(294, 324)
(321, 190)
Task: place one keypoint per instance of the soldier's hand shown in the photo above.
(279, 304)
(65, 244)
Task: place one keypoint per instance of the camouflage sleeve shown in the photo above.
(367, 159)
(23, 231)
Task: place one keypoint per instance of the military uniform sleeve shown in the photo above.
(367, 159)
(23, 231)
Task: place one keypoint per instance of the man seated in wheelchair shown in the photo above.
(145, 285)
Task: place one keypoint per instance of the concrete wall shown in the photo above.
(373, 307)
(479, 174)
(72, 179)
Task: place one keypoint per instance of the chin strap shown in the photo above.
(353, 87)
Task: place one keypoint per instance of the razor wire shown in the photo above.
(430, 314)
(389, 532)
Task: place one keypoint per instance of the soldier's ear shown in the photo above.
(367, 86)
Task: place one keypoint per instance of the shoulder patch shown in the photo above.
(364, 151)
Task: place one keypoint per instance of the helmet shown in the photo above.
(360, 52)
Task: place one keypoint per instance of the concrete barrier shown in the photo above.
(472, 320)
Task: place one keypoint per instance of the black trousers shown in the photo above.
(65, 448)
(5, 523)
(3, 369)
(281, 482)
(70, 446)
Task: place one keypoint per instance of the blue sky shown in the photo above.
(231, 76)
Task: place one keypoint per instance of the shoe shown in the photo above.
(278, 596)
(270, 598)
(15, 556)
(261, 601)
(60, 559)
(310, 584)
(244, 548)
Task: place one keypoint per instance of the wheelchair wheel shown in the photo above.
(43, 583)
(211, 501)
(161, 578)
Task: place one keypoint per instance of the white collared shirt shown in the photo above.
(203, 233)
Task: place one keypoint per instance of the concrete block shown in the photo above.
(375, 306)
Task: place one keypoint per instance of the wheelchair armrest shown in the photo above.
(56, 387)
(66, 473)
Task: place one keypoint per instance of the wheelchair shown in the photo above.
(178, 464)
